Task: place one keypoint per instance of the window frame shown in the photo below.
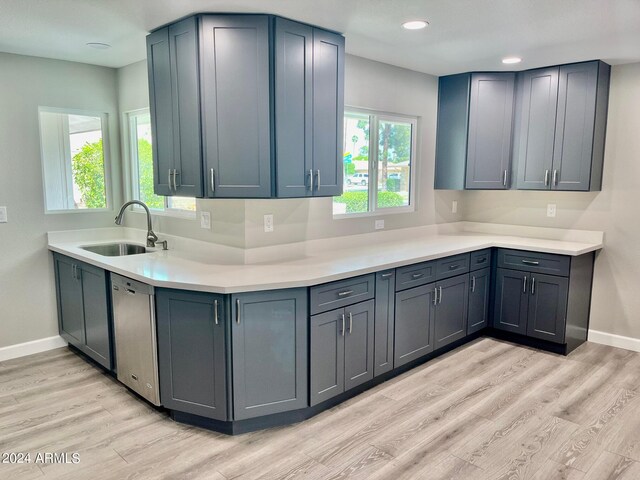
(375, 116)
(106, 153)
(132, 177)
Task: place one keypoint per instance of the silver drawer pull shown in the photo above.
(386, 275)
(530, 262)
(481, 260)
(345, 293)
(417, 275)
(453, 267)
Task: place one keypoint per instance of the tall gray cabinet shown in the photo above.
(246, 106)
(561, 126)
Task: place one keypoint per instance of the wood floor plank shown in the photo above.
(615, 467)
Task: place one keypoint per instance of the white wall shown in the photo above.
(615, 210)
(368, 84)
(27, 292)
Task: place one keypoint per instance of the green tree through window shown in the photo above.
(88, 174)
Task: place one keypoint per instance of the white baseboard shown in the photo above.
(29, 348)
(628, 343)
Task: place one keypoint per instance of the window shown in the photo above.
(74, 160)
(141, 156)
(379, 151)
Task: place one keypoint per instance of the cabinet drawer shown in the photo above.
(452, 266)
(341, 293)
(415, 275)
(534, 262)
(480, 259)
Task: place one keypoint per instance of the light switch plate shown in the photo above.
(3, 214)
(551, 210)
(268, 223)
(205, 220)
(379, 224)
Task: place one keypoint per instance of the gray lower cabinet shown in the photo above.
(269, 352)
(192, 352)
(479, 294)
(451, 310)
(561, 125)
(341, 350)
(84, 308)
(531, 304)
(414, 324)
(384, 322)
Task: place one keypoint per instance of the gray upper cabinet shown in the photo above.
(84, 308)
(192, 352)
(246, 106)
(414, 323)
(172, 54)
(561, 127)
(235, 66)
(490, 126)
(269, 352)
(384, 321)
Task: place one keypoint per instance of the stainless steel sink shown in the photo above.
(116, 249)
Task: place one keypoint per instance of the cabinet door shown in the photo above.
(236, 115)
(451, 311)
(358, 344)
(97, 314)
(328, 112)
(293, 107)
(490, 125)
(161, 109)
(548, 307)
(478, 317)
(511, 301)
(575, 126)
(414, 328)
(70, 309)
(187, 149)
(327, 355)
(384, 322)
(191, 352)
(269, 350)
(537, 98)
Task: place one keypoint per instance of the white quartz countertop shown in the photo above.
(201, 266)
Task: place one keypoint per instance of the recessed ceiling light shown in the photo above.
(511, 60)
(415, 25)
(98, 45)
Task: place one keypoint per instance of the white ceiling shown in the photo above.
(463, 34)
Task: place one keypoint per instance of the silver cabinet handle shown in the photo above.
(546, 178)
(350, 322)
(473, 284)
(238, 311)
(175, 182)
(530, 262)
(212, 173)
(311, 180)
(504, 178)
(317, 179)
(435, 296)
(440, 290)
(524, 284)
(555, 178)
(453, 267)
(215, 311)
(386, 275)
(417, 275)
(343, 325)
(345, 293)
(533, 285)
(170, 187)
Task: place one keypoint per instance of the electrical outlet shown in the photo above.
(268, 223)
(379, 224)
(551, 210)
(454, 206)
(3, 214)
(205, 220)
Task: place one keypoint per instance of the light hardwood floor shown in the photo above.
(488, 410)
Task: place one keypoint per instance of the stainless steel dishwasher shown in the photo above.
(135, 336)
